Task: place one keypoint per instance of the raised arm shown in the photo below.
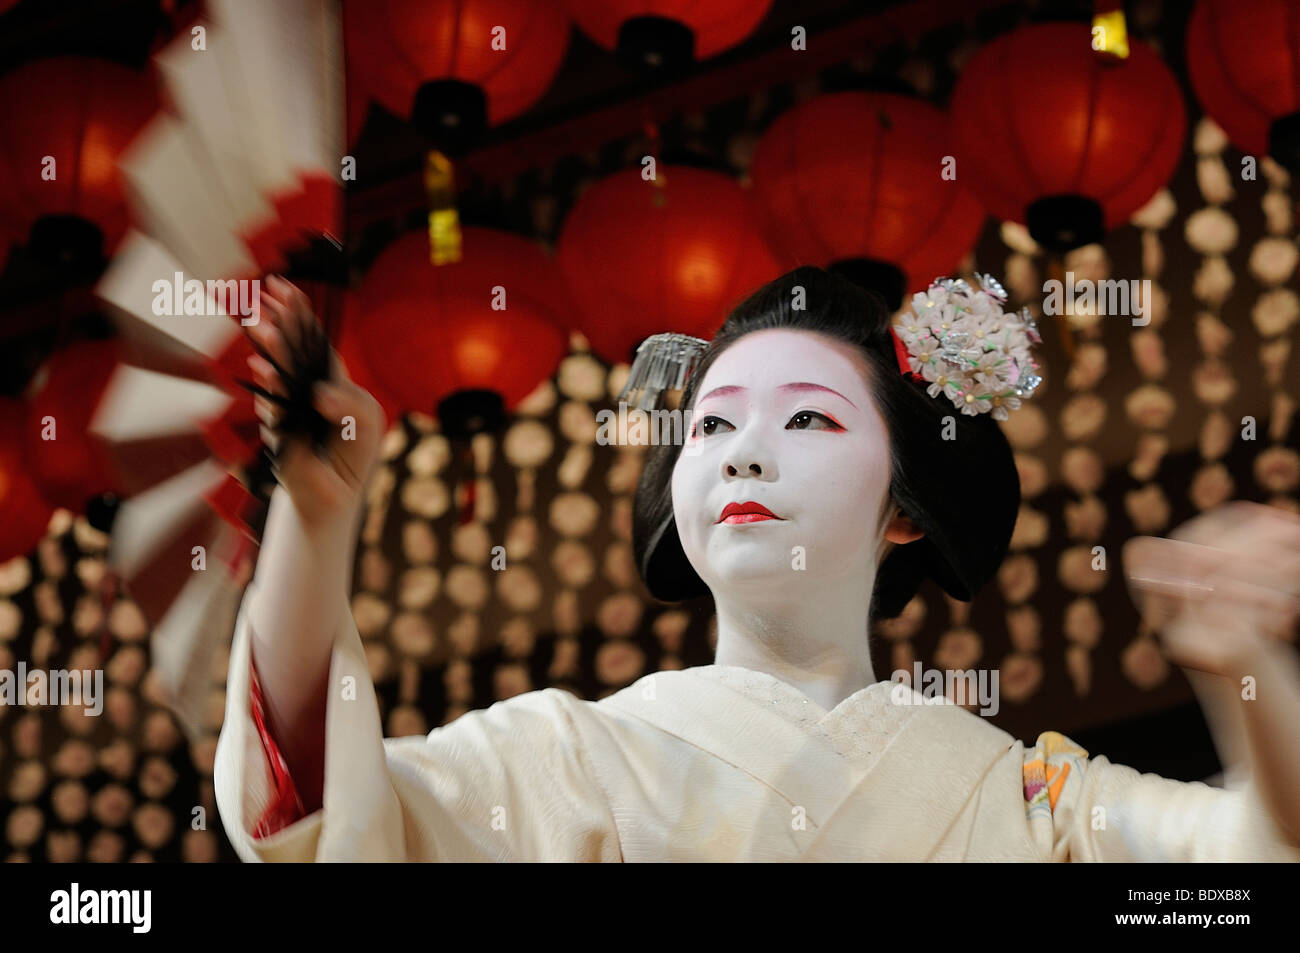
(300, 595)
(1106, 812)
(1224, 593)
(511, 782)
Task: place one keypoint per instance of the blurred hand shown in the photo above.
(324, 483)
(1223, 586)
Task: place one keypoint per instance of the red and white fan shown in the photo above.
(235, 175)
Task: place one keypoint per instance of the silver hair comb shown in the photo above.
(663, 362)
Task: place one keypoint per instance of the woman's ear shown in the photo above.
(901, 529)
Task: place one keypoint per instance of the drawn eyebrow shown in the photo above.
(723, 391)
(795, 386)
(804, 385)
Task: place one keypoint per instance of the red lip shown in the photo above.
(747, 512)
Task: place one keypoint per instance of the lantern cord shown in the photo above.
(1056, 271)
(471, 486)
(650, 127)
(651, 130)
(109, 587)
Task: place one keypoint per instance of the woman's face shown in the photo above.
(783, 424)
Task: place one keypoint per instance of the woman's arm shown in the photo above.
(1225, 594)
(512, 782)
(1112, 813)
(304, 570)
(302, 582)
(1268, 682)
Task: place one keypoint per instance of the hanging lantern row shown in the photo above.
(452, 69)
(1116, 125)
(677, 251)
(455, 70)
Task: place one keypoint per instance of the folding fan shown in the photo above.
(225, 185)
(249, 163)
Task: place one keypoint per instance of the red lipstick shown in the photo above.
(747, 512)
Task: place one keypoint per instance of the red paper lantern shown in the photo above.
(26, 513)
(429, 336)
(1244, 60)
(667, 34)
(852, 181)
(61, 401)
(1071, 142)
(674, 254)
(454, 68)
(348, 347)
(81, 113)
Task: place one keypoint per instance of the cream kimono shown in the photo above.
(716, 763)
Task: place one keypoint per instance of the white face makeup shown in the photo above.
(783, 420)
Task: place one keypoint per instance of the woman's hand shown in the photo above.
(1223, 588)
(324, 483)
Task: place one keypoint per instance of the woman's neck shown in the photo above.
(815, 641)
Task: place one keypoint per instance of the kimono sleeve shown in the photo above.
(1098, 811)
(286, 805)
(511, 782)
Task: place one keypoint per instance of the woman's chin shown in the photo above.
(758, 569)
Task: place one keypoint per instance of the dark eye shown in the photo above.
(708, 426)
(811, 420)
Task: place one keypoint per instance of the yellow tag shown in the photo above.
(444, 236)
(444, 222)
(1110, 34)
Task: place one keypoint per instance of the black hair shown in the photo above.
(964, 492)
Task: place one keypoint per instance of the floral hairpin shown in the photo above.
(967, 348)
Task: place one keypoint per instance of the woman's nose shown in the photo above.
(749, 462)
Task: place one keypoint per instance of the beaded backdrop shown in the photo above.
(1134, 430)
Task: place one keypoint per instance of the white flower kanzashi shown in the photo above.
(970, 350)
